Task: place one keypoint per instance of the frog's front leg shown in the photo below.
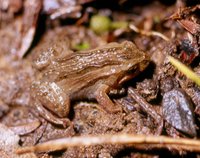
(50, 117)
(104, 100)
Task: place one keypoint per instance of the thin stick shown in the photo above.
(129, 139)
(148, 33)
(145, 106)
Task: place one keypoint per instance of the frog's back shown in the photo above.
(76, 70)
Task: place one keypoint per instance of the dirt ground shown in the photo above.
(160, 100)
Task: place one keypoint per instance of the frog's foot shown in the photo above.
(51, 118)
(104, 100)
(114, 92)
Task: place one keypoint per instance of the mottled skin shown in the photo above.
(92, 74)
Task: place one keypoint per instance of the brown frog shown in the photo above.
(92, 74)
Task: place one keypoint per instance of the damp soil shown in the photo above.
(158, 101)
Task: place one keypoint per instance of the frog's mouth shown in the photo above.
(129, 75)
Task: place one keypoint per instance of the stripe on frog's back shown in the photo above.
(78, 82)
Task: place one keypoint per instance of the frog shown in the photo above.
(67, 76)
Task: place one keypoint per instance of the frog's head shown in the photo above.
(134, 58)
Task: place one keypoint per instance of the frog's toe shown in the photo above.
(66, 122)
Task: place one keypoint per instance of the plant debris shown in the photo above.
(157, 108)
(185, 70)
(128, 139)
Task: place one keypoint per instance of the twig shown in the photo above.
(128, 139)
(147, 108)
(65, 10)
(148, 33)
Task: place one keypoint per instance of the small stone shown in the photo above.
(178, 111)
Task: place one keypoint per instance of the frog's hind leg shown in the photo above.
(50, 117)
(104, 100)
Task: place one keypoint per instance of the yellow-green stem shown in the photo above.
(185, 70)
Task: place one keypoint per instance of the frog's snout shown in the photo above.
(144, 63)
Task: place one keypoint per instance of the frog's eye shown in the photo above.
(129, 46)
(132, 69)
